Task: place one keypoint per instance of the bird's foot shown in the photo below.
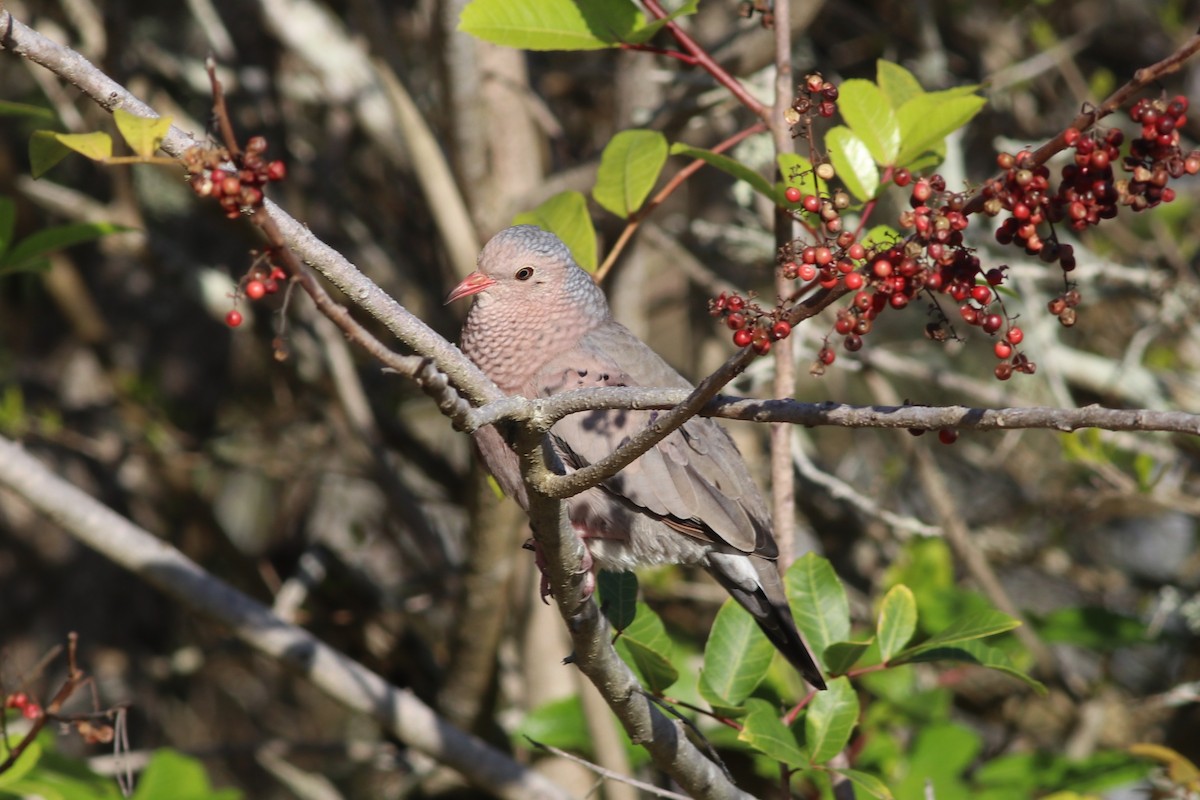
(585, 569)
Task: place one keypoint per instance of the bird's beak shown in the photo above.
(473, 284)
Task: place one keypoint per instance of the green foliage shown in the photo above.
(629, 168)
(765, 732)
(562, 24)
(1090, 626)
(648, 650)
(618, 597)
(818, 602)
(47, 148)
(31, 253)
(736, 658)
(829, 720)
(730, 166)
(42, 772)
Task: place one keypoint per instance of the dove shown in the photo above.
(540, 325)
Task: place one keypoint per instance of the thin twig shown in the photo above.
(607, 773)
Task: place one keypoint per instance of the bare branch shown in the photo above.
(347, 681)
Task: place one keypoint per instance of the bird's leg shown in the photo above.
(586, 566)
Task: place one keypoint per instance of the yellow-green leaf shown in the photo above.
(142, 134)
(629, 168)
(896, 82)
(829, 720)
(897, 621)
(47, 148)
(551, 24)
(853, 162)
(868, 112)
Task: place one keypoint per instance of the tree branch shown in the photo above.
(345, 680)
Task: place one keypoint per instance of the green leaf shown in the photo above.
(646, 32)
(853, 162)
(897, 83)
(897, 621)
(939, 755)
(763, 730)
(736, 658)
(647, 649)
(47, 148)
(629, 168)
(829, 720)
(172, 774)
(840, 657)
(927, 119)
(868, 783)
(1093, 627)
(618, 597)
(967, 627)
(868, 112)
(880, 236)
(565, 214)
(727, 165)
(21, 767)
(142, 134)
(557, 723)
(8, 223)
(37, 245)
(11, 109)
(818, 602)
(969, 652)
(551, 24)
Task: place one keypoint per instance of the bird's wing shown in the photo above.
(694, 480)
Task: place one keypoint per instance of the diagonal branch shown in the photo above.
(347, 681)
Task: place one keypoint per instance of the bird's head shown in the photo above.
(529, 270)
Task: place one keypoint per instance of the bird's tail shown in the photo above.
(755, 584)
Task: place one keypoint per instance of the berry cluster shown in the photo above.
(751, 325)
(28, 708)
(235, 182)
(259, 282)
(817, 96)
(1155, 156)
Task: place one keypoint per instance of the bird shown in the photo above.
(539, 325)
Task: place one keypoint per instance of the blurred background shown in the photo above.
(339, 495)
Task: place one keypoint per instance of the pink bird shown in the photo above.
(540, 325)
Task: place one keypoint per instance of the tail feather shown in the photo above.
(755, 584)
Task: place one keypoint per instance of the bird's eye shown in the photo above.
(524, 273)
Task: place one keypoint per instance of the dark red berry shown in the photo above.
(781, 329)
(743, 337)
(1015, 335)
(981, 294)
(947, 436)
(827, 356)
(736, 321)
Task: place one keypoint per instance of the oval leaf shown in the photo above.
(868, 112)
(840, 657)
(868, 783)
(829, 720)
(763, 730)
(21, 767)
(47, 148)
(736, 657)
(927, 119)
(897, 83)
(646, 648)
(618, 597)
(897, 621)
(972, 652)
(818, 602)
(629, 169)
(142, 134)
(727, 164)
(565, 215)
(10, 109)
(551, 24)
(33, 247)
(853, 162)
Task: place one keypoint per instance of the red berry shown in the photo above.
(31, 711)
(743, 337)
(271, 285)
(781, 329)
(947, 436)
(827, 356)
(812, 203)
(276, 171)
(792, 194)
(1003, 350)
(882, 268)
(856, 251)
(981, 294)
(231, 186)
(902, 177)
(233, 318)
(991, 323)
(1003, 371)
(255, 290)
(736, 303)
(807, 272)
(898, 300)
(853, 281)
(762, 345)
(1015, 335)
(1071, 136)
(736, 321)
(16, 700)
